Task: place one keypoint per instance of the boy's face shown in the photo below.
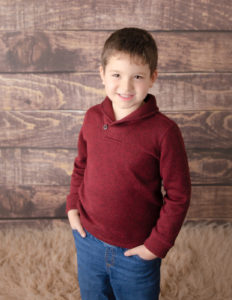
(127, 82)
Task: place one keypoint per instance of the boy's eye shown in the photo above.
(138, 77)
(116, 75)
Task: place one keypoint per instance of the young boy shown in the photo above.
(122, 223)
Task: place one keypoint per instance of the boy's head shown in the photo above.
(128, 69)
(136, 42)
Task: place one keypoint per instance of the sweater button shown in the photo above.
(105, 126)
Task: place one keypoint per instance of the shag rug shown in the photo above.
(40, 264)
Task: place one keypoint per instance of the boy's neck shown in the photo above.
(121, 113)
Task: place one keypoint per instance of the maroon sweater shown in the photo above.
(118, 173)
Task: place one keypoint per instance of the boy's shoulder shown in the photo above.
(94, 110)
(164, 123)
(159, 119)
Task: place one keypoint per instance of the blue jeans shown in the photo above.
(105, 273)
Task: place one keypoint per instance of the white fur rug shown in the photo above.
(41, 264)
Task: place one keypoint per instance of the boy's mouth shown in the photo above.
(125, 97)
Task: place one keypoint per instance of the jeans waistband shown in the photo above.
(104, 243)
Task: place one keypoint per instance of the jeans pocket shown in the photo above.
(76, 234)
(138, 258)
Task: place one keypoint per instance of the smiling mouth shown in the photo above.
(125, 97)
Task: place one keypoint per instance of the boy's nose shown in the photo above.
(126, 86)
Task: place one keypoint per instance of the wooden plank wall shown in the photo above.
(49, 59)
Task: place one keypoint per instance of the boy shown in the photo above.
(122, 224)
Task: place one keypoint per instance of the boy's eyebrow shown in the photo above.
(117, 71)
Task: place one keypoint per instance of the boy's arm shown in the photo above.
(77, 175)
(174, 171)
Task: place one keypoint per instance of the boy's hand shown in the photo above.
(142, 252)
(75, 223)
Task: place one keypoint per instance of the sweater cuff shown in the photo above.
(72, 203)
(159, 247)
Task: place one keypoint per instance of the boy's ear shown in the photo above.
(101, 71)
(153, 78)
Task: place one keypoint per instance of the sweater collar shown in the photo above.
(147, 109)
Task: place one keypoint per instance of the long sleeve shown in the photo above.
(77, 174)
(174, 172)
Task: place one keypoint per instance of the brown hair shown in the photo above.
(134, 41)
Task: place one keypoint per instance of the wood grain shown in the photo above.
(44, 129)
(36, 166)
(79, 51)
(76, 91)
(205, 129)
(33, 201)
(207, 202)
(54, 166)
(210, 168)
(100, 15)
(211, 202)
(59, 129)
(61, 91)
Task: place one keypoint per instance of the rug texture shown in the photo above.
(40, 264)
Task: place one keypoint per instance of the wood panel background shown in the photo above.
(49, 59)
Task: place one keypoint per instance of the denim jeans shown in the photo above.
(105, 273)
